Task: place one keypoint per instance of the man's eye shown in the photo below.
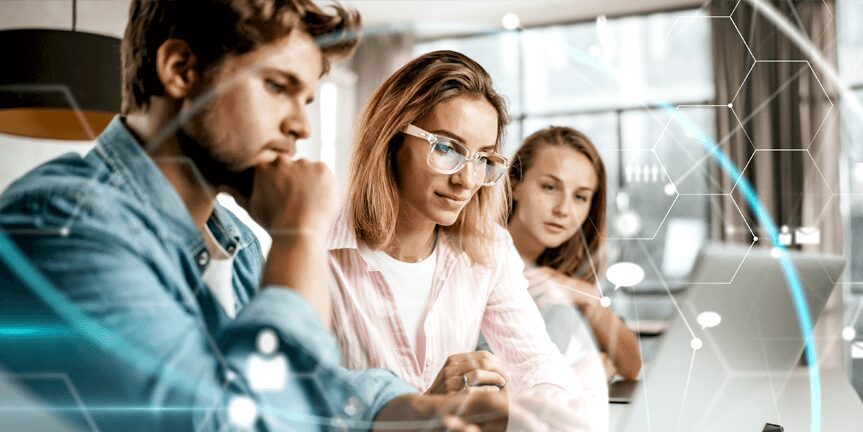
(274, 87)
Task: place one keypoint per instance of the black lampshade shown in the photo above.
(58, 84)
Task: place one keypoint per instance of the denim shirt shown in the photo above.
(104, 271)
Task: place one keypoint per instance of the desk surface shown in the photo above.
(841, 409)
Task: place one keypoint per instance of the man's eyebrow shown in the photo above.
(293, 80)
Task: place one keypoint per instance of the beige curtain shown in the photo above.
(782, 106)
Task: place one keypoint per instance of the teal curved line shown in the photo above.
(87, 326)
(800, 306)
(108, 339)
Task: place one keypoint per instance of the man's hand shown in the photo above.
(294, 196)
(473, 371)
(297, 201)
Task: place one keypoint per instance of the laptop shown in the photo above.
(672, 262)
(731, 382)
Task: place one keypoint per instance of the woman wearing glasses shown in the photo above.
(421, 258)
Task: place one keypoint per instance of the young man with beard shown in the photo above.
(160, 296)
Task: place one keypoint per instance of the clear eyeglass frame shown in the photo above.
(482, 160)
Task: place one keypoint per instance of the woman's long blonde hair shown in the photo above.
(569, 257)
(409, 94)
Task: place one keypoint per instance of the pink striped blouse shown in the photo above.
(464, 299)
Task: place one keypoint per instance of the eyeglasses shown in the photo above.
(448, 156)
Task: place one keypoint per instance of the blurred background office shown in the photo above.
(658, 85)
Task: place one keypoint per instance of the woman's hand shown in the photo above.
(473, 371)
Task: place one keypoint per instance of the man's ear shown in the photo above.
(176, 67)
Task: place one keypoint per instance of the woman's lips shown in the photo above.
(554, 227)
(452, 200)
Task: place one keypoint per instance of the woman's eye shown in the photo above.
(274, 87)
(581, 198)
(548, 187)
(443, 148)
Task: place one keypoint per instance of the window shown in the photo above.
(618, 81)
(850, 51)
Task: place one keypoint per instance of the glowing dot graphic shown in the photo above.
(242, 412)
(628, 223)
(231, 376)
(730, 105)
(510, 21)
(696, 344)
(755, 238)
(848, 333)
(605, 302)
(775, 252)
(670, 189)
(267, 342)
(352, 407)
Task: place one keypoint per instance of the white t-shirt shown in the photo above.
(219, 275)
(410, 284)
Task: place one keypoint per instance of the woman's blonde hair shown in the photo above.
(409, 94)
(569, 257)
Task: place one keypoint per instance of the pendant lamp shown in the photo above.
(58, 84)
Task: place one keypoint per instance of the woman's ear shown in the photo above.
(516, 190)
(176, 67)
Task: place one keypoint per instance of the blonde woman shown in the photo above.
(422, 262)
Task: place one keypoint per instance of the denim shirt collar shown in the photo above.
(126, 157)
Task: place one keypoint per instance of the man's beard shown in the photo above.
(215, 172)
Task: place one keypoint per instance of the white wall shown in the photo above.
(22, 154)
